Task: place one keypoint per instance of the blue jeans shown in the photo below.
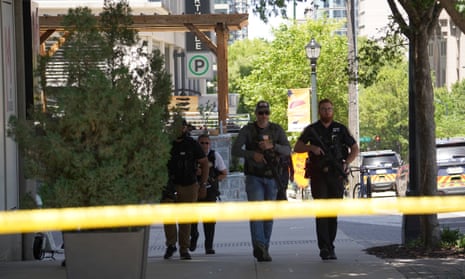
(261, 189)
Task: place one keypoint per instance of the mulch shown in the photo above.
(397, 251)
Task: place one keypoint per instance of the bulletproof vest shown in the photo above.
(257, 135)
(336, 145)
(182, 165)
(213, 173)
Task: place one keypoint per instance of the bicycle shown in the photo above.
(361, 189)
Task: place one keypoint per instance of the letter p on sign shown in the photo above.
(199, 65)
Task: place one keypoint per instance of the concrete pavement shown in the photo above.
(293, 248)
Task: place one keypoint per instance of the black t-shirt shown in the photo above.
(336, 138)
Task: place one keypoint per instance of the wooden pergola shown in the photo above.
(221, 24)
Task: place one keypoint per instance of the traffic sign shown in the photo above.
(365, 139)
(199, 65)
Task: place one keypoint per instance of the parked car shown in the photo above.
(382, 166)
(450, 158)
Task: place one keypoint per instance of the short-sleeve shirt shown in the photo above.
(336, 137)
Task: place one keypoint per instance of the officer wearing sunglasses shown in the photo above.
(253, 142)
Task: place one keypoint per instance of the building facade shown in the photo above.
(446, 47)
(15, 81)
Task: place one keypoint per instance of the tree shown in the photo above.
(422, 19)
(105, 141)
(283, 65)
(267, 8)
(384, 109)
(449, 110)
(241, 58)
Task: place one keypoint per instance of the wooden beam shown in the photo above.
(45, 35)
(204, 38)
(163, 23)
(220, 23)
(222, 36)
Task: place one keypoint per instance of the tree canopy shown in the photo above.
(283, 65)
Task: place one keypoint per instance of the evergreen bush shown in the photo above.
(105, 140)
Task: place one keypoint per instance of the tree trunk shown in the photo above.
(422, 19)
(426, 133)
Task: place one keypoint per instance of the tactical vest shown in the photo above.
(255, 135)
(182, 165)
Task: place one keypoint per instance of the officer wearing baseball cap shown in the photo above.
(253, 142)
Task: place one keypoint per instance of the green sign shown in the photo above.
(365, 139)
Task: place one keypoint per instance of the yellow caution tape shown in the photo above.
(22, 221)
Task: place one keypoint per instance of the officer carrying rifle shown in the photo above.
(261, 143)
(331, 148)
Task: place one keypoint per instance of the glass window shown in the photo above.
(450, 152)
(380, 161)
(443, 48)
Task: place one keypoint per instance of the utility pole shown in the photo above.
(353, 70)
(294, 10)
(353, 86)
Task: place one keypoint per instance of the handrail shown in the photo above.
(210, 120)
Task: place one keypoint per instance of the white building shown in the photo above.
(447, 52)
(446, 46)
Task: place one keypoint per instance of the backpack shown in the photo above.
(182, 165)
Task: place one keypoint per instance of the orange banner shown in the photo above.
(298, 161)
(298, 109)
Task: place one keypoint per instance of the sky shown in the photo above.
(258, 29)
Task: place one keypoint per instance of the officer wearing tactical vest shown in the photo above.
(256, 141)
(216, 173)
(330, 148)
(184, 187)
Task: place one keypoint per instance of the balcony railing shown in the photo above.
(210, 121)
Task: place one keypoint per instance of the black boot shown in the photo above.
(194, 237)
(261, 253)
(209, 229)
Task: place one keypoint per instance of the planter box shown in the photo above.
(106, 254)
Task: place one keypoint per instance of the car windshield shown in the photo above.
(444, 153)
(381, 161)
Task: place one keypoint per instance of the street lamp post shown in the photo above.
(313, 52)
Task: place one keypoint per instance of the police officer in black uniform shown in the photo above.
(331, 148)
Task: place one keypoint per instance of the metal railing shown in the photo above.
(210, 120)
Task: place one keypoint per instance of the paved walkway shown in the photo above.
(293, 248)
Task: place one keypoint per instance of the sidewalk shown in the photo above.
(293, 248)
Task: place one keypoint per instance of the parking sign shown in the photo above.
(199, 65)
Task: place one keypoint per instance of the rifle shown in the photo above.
(272, 164)
(333, 162)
